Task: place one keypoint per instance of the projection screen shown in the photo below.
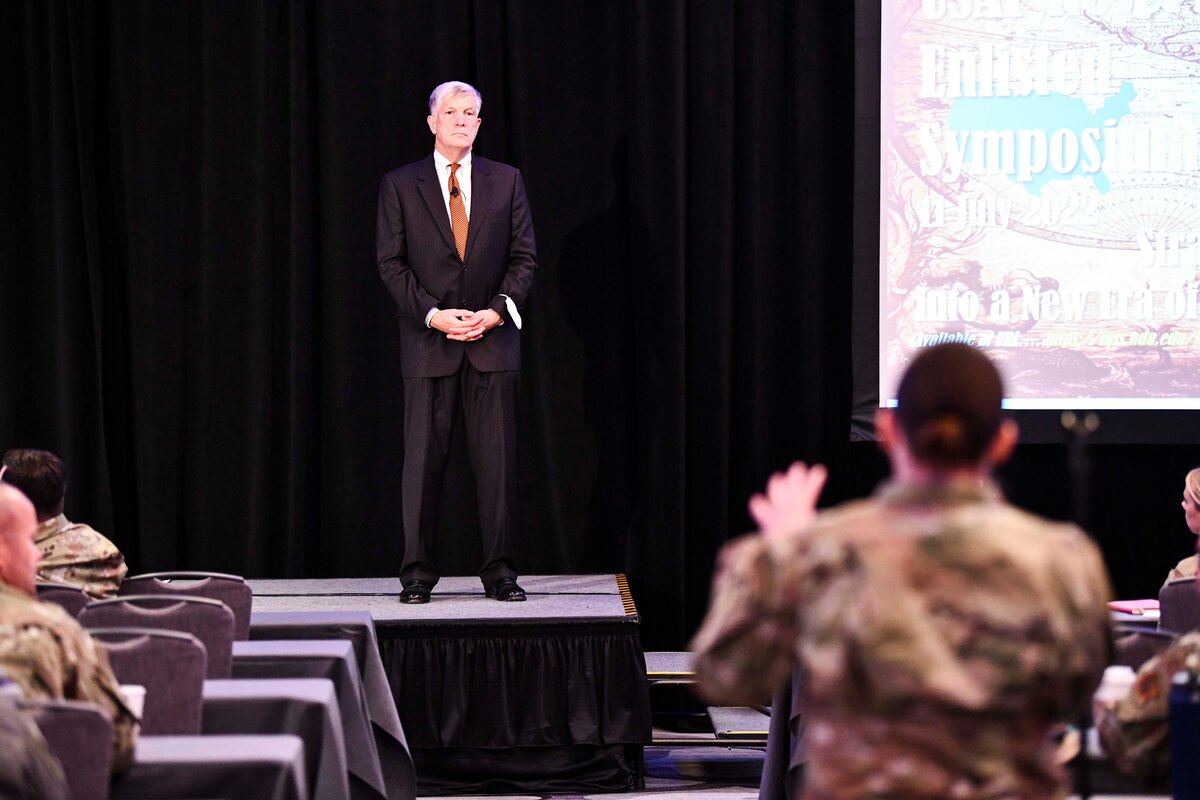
(1040, 195)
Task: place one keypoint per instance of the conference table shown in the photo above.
(332, 659)
(305, 707)
(232, 767)
(1145, 619)
(358, 628)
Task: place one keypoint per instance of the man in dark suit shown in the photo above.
(456, 250)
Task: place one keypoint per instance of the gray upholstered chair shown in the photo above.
(171, 666)
(80, 735)
(72, 598)
(27, 768)
(232, 590)
(1136, 646)
(210, 621)
(1179, 606)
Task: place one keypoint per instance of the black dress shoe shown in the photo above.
(416, 591)
(506, 590)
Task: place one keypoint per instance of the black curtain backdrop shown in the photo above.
(192, 316)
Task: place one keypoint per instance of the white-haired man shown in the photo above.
(456, 251)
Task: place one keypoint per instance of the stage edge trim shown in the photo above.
(626, 596)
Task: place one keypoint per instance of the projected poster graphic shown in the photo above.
(1040, 195)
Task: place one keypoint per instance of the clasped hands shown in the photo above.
(789, 502)
(461, 325)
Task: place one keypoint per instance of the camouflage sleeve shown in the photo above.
(27, 768)
(80, 556)
(1186, 568)
(53, 665)
(1136, 747)
(100, 578)
(744, 648)
(33, 659)
(59, 660)
(1134, 729)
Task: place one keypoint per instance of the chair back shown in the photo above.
(170, 664)
(27, 769)
(1136, 646)
(72, 598)
(232, 590)
(80, 735)
(210, 621)
(1179, 606)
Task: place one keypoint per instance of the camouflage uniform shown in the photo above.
(1184, 569)
(1134, 729)
(80, 556)
(46, 652)
(941, 633)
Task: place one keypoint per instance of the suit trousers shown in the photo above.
(486, 402)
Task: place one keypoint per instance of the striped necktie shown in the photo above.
(458, 215)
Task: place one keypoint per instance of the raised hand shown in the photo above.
(790, 500)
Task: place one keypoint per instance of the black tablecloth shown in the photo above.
(357, 627)
(333, 659)
(305, 707)
(231, 767)
(521, 707)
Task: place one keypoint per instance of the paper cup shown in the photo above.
(135, 698)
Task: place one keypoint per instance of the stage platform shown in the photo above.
(547, 695)
(455, 600)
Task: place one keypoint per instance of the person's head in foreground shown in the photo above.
(948, 418)
(19, 555)
(941, 633)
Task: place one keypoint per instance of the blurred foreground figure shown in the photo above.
(28, 771)
(942, 634)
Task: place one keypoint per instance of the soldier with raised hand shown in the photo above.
(941, 634)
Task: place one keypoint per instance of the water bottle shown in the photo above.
(1185, 735)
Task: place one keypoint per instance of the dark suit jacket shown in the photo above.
(420, 265)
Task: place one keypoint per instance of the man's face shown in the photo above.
(455, 125)
(19, 555)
